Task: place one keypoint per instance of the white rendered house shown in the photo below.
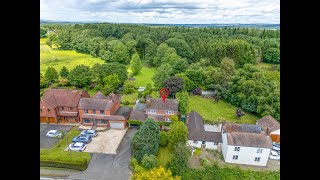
(201, 135)
(245, 144)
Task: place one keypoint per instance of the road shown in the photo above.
(101, 166)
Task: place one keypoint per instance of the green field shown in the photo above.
(144, 76)
(164, 155)
(213, 112)
(59, 58)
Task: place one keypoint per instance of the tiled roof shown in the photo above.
(249, 140)
(96, 104)
(157, 103)
(100, 116)
(269, 122)
(138, 115)
(67, 113)
(123, 111)
(63, 97)
(232, 127)
(197, 131)
(99, 95)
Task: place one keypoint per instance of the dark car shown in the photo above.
(83, 139)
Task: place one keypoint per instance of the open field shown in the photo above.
(59, 58)
(214, 111)
(144, 76)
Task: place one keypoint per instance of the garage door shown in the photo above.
(116, 125)
(52, 120)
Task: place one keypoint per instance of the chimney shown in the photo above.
(148, 100)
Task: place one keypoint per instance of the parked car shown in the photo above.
(276, 146)
(78, 146)
(274, 155)
(54, 133)
(89, 133)
(83, 139)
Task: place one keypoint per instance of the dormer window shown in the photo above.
(169, 112)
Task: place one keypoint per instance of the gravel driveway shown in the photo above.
(46, 142)
(104, 166)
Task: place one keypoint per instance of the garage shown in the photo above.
(116, 125)
(51, 120)
(43, 120)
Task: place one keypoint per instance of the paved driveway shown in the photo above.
(46, 142)
(104, 166)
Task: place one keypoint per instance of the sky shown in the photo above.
(163, 11)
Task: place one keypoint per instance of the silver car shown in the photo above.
(276, 146)
(274, 155)
(91, 133)
(54, 133)
(78, 146)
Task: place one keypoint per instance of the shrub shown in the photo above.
(135, 165)
(137, 122)
(140, 94)
(197, 91)
(149, 161)
(68, 165)
(204, 161)
(142, 101)
(163, 139)
(197, 151)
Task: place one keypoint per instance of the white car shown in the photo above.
(78, 146)
(276, 146)
(274, 155)
(54, 133)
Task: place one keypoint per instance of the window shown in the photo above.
(203, 142)
(93, 111)
(101, 111)
(86, 111)
(257, 159)
(151, 111)
(194, 141)
(235, 157)
(49, 110)
(215, 143)
(62, 108)
(259, 150)
(70, 108)
(103, 121)
(167, 120)
(169, 112)
(86, 121)
(236, 148)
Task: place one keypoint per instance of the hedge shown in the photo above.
(67, 165)
(137, 122)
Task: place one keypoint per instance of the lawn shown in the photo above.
(57, 157)
(213, 112)
(130, 98)
(164, 155)
(144, 76)
(59, 58)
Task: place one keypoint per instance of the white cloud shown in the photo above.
(162, 11)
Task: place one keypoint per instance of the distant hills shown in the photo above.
(258, 25)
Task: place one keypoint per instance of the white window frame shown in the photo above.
(167, 120)
(152, 111)
(235, 157)
(195, 141)
(259, 150)
(169, 112)
(215, 143)
(257, 159)
(237, 148)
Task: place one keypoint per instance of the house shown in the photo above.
(245, 144)
(201, 135)
(271, 127)
(159, 110)
(60, 106)
(104, 111)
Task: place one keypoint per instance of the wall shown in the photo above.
(209, 145)
(224, 144)
(246, 155)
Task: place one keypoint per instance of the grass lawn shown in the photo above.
(144, 76)
(59, 58)
(164, 155)
(129, 97)
(214, 111)
(56, 156)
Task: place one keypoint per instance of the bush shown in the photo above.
(204, 161)
(137, 122)
(163, 139)
(142, 101)
(140, 94)
(197, 151)
(149, 161)
(135, 166)
(197, 91)
(68, 165)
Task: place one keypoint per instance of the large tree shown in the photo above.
(135, 64)
(51, 75)
(120, 53)
(161, 50)
(183, 98)
(174, 85)
(181, 46)
(64, 72)
(178, 133)
(163, 72)
(80, 76)
(146, 140)
(111, 82)
(43, 81)
(272, 55)
(180, 156)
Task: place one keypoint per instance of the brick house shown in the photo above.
(104, 111)
(156, 109)
(60, 106)
(271, 127)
